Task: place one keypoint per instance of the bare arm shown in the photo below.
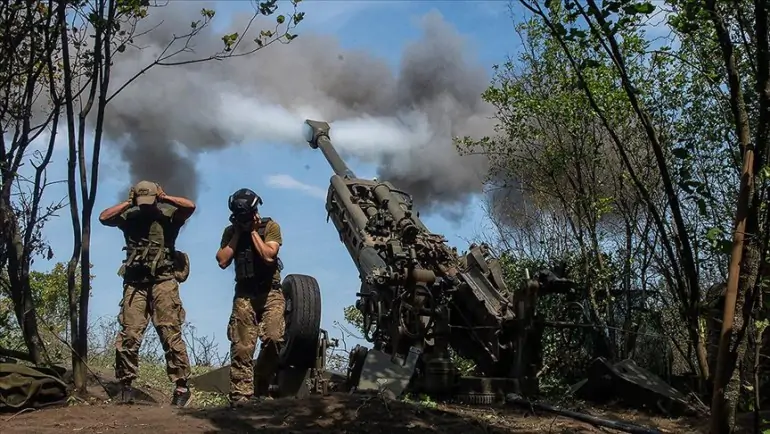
(184, 207)
(227, 248)
(110, 216)
(269, 247)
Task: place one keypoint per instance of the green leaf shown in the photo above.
(713, 234)
(765, 172)
(589, 63)
(645, 8)
(680, 153)
(702, 209)
(230, 40)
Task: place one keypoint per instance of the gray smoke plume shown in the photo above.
(403, 121)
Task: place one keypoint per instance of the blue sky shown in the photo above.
(291, 180)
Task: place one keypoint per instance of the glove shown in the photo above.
(131, 196)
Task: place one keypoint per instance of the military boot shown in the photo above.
(126, 393)
(182, 395)
(239, 401)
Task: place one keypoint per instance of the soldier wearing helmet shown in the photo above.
(252, 243)
(150, 221)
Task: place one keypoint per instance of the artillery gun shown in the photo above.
(418, 296)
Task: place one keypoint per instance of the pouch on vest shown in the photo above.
(181, 266)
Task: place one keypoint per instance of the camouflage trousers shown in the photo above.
(161, 303)
(255, 317)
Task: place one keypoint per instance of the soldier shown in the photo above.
(150, 221)
(258, 305)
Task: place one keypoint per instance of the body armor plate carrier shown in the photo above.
(248, 265)
(150, 250)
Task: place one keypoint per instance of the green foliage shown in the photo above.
(355, 318)
(570, 139)
(49, 291)
(421, 401)
(230, 40)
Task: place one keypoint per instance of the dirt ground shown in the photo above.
(335, 413)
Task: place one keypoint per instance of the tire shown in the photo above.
(303, 321)
(476, 399)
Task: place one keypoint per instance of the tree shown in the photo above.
(706, 30)
(599, 37)
(49, 293)
(552, 161)
(28, 56)
(87, 87)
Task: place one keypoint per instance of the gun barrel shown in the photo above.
(317, 135)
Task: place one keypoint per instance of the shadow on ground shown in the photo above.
(360, 414)
(103, 386)
(330, 414)
(350, 414)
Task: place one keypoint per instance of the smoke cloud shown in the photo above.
(403, 121)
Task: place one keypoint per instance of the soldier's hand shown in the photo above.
(131, 195)
(161, 193)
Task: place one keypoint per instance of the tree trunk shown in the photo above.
(85, 293)
(77, 368)
(18, 280)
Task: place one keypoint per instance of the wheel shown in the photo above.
(303, 321)
(476, 398)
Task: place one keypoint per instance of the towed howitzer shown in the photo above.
(418, 295)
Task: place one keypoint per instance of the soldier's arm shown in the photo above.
(268, 248)
(184, 207)
(113, 216)
(227, 247)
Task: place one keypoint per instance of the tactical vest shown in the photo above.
(150, 246)
(249, 267)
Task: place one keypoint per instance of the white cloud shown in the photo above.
(289, 183)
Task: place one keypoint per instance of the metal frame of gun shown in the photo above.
(418, 295)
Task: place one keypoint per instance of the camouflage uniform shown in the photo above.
(151, 272)
(258, 312)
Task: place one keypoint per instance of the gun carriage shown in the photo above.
(418, 296)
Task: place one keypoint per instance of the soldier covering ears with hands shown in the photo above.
(150, 221)
(253, 243)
